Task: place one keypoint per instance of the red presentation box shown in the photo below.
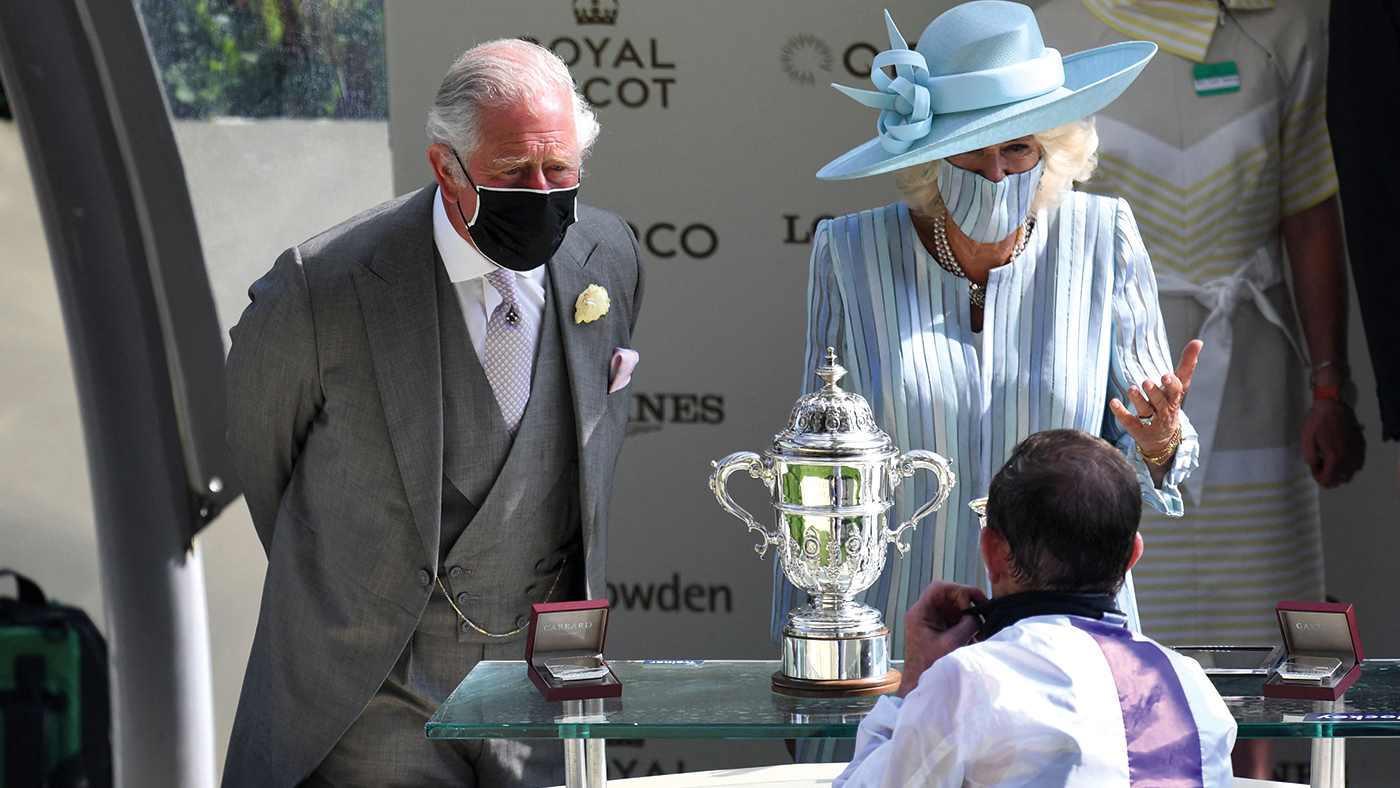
(568, 636)
(1318, 629)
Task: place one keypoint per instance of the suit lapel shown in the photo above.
(583, 343)
(587, 351)
(399, 301)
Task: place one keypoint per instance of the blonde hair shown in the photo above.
(1070, 152)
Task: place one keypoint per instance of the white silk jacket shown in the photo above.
(1052, 700)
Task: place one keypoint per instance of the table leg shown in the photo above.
(585, 760)
(1329, 763)
(585, 764)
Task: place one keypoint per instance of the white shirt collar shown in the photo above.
(461, 258)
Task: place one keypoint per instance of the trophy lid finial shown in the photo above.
(831, 372)
(832, 423)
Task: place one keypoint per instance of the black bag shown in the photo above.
(55, 708)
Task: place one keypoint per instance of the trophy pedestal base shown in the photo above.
(845, 667)
(842, 688)
(852, 656)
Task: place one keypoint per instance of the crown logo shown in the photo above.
(803, 55)
(595, 12)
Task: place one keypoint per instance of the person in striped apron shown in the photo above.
(1223, 150)
(994, 301)
(1058, 691)
(1225, 155)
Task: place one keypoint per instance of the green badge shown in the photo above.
(1212, 79)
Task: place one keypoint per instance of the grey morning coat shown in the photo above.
(336, 424)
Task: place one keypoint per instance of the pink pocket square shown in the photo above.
(620, 369)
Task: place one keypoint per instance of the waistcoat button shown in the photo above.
(466, 627)
(462, 598)
(522, 621)
(455, 572)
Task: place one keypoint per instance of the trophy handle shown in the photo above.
(758, 468)
(903, 467)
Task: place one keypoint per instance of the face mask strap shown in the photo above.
(475, 191)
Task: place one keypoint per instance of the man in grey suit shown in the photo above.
(426, 405)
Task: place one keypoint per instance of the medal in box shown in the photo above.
(1322, 648)
(564, 651)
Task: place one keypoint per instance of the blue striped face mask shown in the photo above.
(988, 212)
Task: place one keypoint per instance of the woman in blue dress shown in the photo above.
(994, 301)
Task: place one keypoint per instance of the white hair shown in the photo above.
(1070, 152)
(498, 74)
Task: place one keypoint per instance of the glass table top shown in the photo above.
(1370, 707)
(733, 699)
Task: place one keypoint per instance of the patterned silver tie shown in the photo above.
(509, 360)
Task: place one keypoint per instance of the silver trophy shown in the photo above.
(832, 475)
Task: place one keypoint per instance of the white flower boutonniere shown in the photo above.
(592, 304)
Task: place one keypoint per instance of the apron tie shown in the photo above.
(1222, 296)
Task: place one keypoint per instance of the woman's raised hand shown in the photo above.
(1156, 413)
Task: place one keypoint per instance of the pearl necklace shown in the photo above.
(943, 255)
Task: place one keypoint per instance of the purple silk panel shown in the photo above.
(1164, 745)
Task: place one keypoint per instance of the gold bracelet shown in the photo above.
(1165, 454)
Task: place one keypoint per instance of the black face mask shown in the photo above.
(519, 229)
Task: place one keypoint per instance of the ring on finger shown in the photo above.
(1146, 421)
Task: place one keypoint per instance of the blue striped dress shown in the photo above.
(1068, 325)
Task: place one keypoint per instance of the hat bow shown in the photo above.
(910, 101)
(907, 110)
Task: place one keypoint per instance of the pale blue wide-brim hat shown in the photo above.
(980, 75)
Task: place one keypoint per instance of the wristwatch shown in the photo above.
(1345, 393)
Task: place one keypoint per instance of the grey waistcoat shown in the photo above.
(510, 509)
